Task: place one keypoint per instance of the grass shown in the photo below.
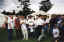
(4, 38)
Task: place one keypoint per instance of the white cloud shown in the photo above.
(58, 7)
(35, 5)
(9, 5)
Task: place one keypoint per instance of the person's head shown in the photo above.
(11, 16)
(29, 17)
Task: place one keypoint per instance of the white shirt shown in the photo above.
(55, 33)
(30, 22)
(14, 20)
(59, 21)
(47, 20)
(39, 21)
(23, 26)
(22, 21)
(10, 23)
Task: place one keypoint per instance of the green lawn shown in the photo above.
(4, 38)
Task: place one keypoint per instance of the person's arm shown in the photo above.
(26, 21)
(48, 19)
(10, 25)
(35, 25)
(20, 21)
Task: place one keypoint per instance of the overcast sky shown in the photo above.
(8, 5)
(58, 5)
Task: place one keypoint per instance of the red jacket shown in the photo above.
(17, 23)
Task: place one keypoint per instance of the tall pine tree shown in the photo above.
(26, 10)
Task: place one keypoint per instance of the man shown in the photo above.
(52, 22)
(62, 31)
(24, 28)
(38, 24)
(43, 27)
(30, 23)
(10, 27)
(17, 27)
(56, 33)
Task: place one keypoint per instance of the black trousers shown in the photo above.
(62, 35)
(18, 34)
(38, 31)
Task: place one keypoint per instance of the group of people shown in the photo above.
(35, 27)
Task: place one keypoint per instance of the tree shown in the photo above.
(45, 5)
(26, 10)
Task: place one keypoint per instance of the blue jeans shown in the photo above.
(10, 34)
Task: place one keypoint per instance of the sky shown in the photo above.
(1, 3)
(57, 8)
(8, 5)
(58, 5)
